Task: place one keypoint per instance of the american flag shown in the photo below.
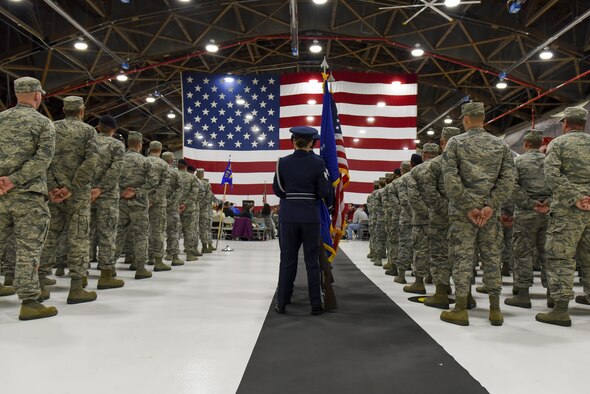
(249, 116)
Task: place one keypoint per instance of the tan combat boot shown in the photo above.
(168, 257)
(401, 276)
(6, 291)
(558, 315)
(78, 295)
(471, 303)
(387, 266)
(9, 280)
(160, 266)
(417, 287)
(377, 261)
(31, 310)
(459, 314)
(107, 281)
(495, 316)
(522, 299)
(440, 299)
(191, 257)
(60, 271)
(141, 272)
(176, 261)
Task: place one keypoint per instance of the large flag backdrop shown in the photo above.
(249, 116)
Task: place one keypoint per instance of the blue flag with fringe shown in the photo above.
(227, 175)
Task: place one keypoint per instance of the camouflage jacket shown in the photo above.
(402, 193)
(75, 156)
(160, 171)
(190, 190)
(370, 206)
(27, 144)
(108, 165)
(204, 199)
(174, 188)
(530, 184)
(416, 195)
(137, 172)
(393, 200)
(433, 188)
(478, 171)
(567, 170)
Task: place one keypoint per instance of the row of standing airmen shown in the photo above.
(476, 201)
(63, 185)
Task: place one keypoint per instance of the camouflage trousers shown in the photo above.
(104, 216)
(157, 214)
(440, 266)
(133, 222)
(205, 227)
(464, 238)
(405, 256)
(24, 217)
(190, 228)
(9, 257)
(420, 252)
(529, 234)
(72, 219)
(393, 240)
(372, 233)
(380, 238)
(507, 257)
(173, 228)
(568, 239)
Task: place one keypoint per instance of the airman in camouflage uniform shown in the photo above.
(420, 214)
(105, 200)
(568, 236)
(531, 197)
(68, 180)
(27, 144)
(173, 226)
(157, 211)
(380, 233)
(372, 219)
(405, 255)
(205, 200)
(387, 213)
(393, 233)
(189, 212)
(479, 177)
(433, 192)
(136, 183)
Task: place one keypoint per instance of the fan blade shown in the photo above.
(413, 16)
(401, 6)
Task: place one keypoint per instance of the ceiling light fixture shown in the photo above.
(249, 117)
(122, 77)
(452, 3)
(501, 84)
(210, 144)
(417, 51)
(260, 138)
(320, 2)
(417, 141)
(240, 101)
(212, 47)
(228, 79)
(448, 120)
(150, 99)
(315, 47)
(546, 54)
(430, 132)
(81, 45)
(312, 102)
(171, 115)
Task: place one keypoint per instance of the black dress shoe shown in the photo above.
(317, 311)
(280, 309)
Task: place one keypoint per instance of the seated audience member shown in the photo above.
(247, 212)
(227, 211)
(234, 209)
(359, 215)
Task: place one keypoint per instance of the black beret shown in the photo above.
(398, 172)
(416, 159)
(182, 162)
(109, 121)
(191, 169)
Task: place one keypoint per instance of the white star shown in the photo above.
(271, 96)
(214, 135)
(247, 105)
(247, 89)
(204, 143)
(271, 128)
(230, 136)
(222, 144)
(222, 128)
(189, 110)
(247, 121)
(254, 96)
(188, 126)
(189, 95)
(197, 119)
(188, 142)
(271, 112)
(214, 104)
(271, 143)
(222, 112)
(198, 88)
(206, 96)
(254, 144)
(255, 81)
(214, 120)
(222, 96)
(263, 104)
(230, 120)
(231, 90)
(205, 127)
(197, 135)
(271, 81)
(238, 128)
(214, 89)
(263, 136)
(255, 112)
(197, 104)
(247, 136)
(238, 112)
(238, 144)
(230, 104)
(206, 81)
(263, 89)
(263, 120)
(205, 111)
(239, 81)
(189, 80)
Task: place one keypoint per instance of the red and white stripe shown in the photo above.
(381, 145)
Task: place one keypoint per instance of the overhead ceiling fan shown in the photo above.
(432, 5)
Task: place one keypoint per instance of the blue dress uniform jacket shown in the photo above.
(301, 181)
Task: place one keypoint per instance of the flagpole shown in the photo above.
(221, 216)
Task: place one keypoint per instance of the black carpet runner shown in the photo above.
(368, 346)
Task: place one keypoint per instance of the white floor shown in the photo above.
(522, 356)
(192, 330)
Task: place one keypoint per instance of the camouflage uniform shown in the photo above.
(392, 223)
(507, 257)
(530, 227)
(189, 217)
(105, 209)
(205, 213)
(173, 226)
(419, 220)
(568, 236)
(380, 235)
(158, 204)
(478, 171)
(72, 167)
(27, 144)
(405, 225)
(372, 221)
(137, 173)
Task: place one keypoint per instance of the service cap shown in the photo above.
(155, 145)
(430, 148)
(575, 114)
(473, 109)
(73, 103)
(448, 132)
(405, 166)
(168, 156)
(134, 136)
(303, 130)
(533, 135)
(28, 85)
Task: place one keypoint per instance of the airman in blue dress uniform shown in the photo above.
(301, 179)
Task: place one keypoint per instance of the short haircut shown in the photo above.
(72, 112)
(535, 143)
